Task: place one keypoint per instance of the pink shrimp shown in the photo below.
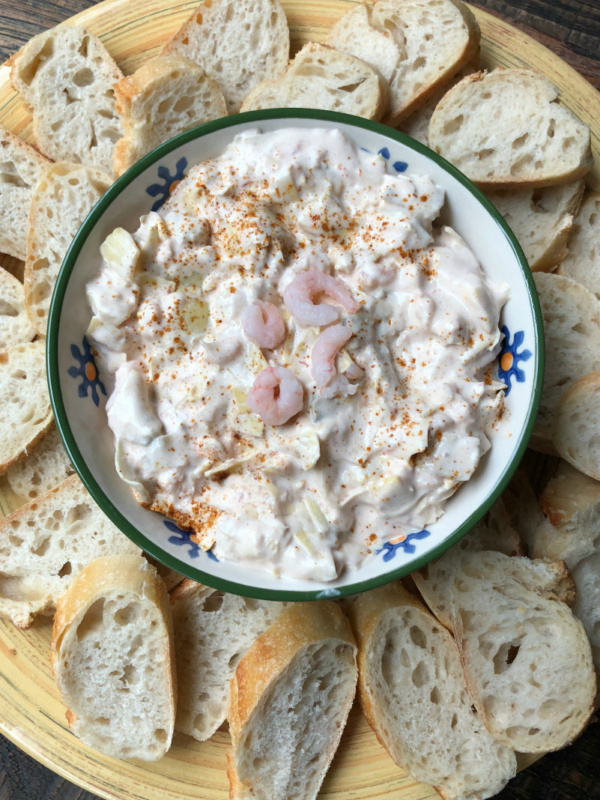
(276, 395)
(324, 351)
(299, 297)
(263, 324)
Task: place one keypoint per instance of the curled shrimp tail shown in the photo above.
(324, 353)
(263, 324)
(276, 395)
(302, 298)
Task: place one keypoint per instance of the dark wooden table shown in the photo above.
(572, 29)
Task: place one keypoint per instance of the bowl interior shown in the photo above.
(78, 394)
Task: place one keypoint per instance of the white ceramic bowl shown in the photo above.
(77, 394)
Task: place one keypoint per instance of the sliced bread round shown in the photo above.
(213, 630)
(413, 693)
(61, 201)
(506, 128)
(415, 45)
(45, 467)
(290, 698)
(65, 75)
(587, 605)
(576, 433)
(166, 96)
(238, 43)
(15, 325)
(582, 262)
(26, 412)
(517, 642)
(321, 77)
(571, 316)
(112, 658)
(541, 219)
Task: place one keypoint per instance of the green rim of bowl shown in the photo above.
(65, 429)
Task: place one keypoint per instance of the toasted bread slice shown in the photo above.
(166, 96)
(62, 200)
(66, 77)
(413, 693)
(213, 630)
(582, 262)
(238, 43)
(494, 532)
(506, 129)
(46, 466)
(112, 658)
(290, 698)
(321, 77)
(15, 325)
(587, 604)
(576, 434)
(541, 219)
(517, 642)
(21, 169)
(45, 544)
(571, 316)
(416, 45)
(26, 414)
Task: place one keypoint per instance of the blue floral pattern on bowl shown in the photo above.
(186, 538)
(403, 543)
(384, 152)
(87, 371)
(163, 190)
(510, 357)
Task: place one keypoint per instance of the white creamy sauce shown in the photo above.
(400, 417)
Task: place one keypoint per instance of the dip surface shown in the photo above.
(393, 386)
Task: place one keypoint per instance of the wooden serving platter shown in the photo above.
(31, 712)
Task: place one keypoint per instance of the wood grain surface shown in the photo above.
(571, 29)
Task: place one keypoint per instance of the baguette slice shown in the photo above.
(494, 532)
(506, 129)
(571, 528)
(166, 96)
(44, 545)
(66, 77)
(571, 316)
(541, 219)
(238, 43)
(213, 630)
(15, 326)
(413, 693)
(576, 433)
(20, 172)
(290, 698)
(112, 658)
(26, 413)
(62, 200)
(587, 605)
(43, 469)
(415, 45)
(517, 642)
(582, 263)
(321, 77)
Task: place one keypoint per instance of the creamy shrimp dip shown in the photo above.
(300, 362)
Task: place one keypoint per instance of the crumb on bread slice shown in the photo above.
(15, 325)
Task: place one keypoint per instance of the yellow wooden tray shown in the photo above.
(31, 712)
